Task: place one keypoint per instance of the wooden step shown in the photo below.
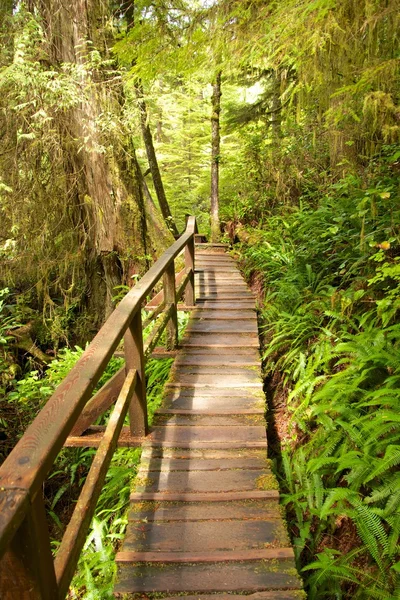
(184, 436)
(202, 464)
(218, 304)
(215, 575)
(275, 595)
(214, 420)
(204, 520)
(206, 511)
(216, 360)
(188, 482)
(231, 326)
(204, 453)
(194, 536)
(224, 314)
(221, 340)
(208, 497)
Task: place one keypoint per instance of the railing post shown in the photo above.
(170, 301)
(189, 264)
(134, 359)
(27, 568)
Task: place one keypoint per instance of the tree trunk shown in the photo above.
(153, 162)
(215, 157)
(106, 190)
(276, 107)
(158, 232)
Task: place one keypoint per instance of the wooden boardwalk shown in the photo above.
(205, 520)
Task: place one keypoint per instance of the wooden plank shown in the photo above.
(212, 556)
(94, 434)
(242, 374)
(158, 299)
(154, 314)
(170, 299)
(135, 361)
(155, 335)
(231, 326)
(209, 497)
(190, 268)
(100, 402)
(13, 501)
(275, 595)
(26, 568)
(226, 352)
(196, 399)
(255, 510)
(215, 420)
(202, 464)
(184, 434)
(75, 535)
(187, 280)
(201, 444)
(210, 576)
(211, 412)
(221, 340)
(214, 360)
(225, 304)
(174, 482)
(159, 353)
(174, 389)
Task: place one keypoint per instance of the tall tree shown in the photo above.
(77, 184)
(215, 156)
(128, 9)
(153, 162)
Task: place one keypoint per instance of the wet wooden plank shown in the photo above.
(238, 326)
(211, 413)
(275, 595)
(246, 314)
(93, 436)
(221, 340)
(195, 536)
(224, 295)
(201, 511)
(254, 353)
(203, 453)
(173, 482)
(209, 497)
(205, 360)
(214, 304)
(183, 434)
(215, 420)
(244, 373)
(202, 464)
(202, 399)
(209, 577)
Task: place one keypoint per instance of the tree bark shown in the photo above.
(215, 156)
(106, 190)
(153, 162)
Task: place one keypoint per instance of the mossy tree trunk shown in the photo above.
(103, 181)
(215, 157)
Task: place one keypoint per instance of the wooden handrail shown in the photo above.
(23, 532)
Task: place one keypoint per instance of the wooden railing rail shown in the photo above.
(27, 569)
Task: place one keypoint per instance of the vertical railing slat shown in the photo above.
(134, 359)
(189, 264)
(27, 568)
(170, 300)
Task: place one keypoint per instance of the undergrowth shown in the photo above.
(331, 280)
(94, 576)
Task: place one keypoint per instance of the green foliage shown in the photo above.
(330, 276)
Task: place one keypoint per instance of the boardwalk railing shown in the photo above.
(27, 569)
